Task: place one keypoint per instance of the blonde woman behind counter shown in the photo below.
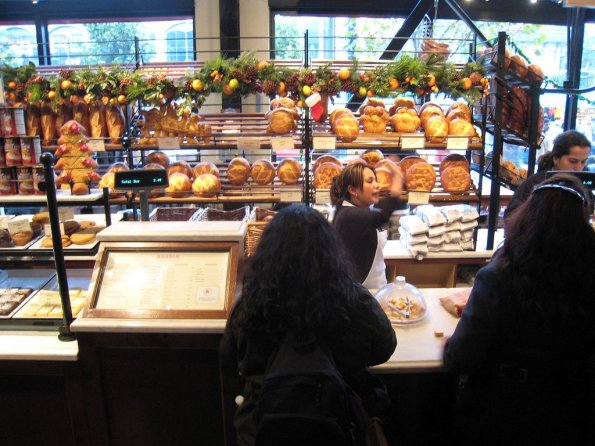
(359, 218)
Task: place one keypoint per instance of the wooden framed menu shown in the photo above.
(164, 280)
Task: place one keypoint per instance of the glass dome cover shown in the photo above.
(402, 302)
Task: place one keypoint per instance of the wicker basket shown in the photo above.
(173, 214)
(253, 234)
(210, 214)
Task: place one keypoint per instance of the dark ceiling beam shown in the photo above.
(462, 15)
(407, 29)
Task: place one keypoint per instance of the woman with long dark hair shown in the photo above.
(570, 152)
(298, 283)
(360, 226)
(525, 345)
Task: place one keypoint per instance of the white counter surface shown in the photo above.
(418, 349)
(36, 346)
(96, 325)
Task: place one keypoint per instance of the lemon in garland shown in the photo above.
(306, 90)
(197, 85)
(234, 83)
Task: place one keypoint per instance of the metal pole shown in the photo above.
(47, 160)
(307, 138)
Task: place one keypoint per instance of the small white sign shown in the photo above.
(65, 214)
(168, 142)
(457, 143)
(412, 142)
(323, 196)
(282, 143)
(19, 121)
(417, 197)
(324, 142)
(96, 144)
(249, 144)
(291, 195)
(19, 226)
(4, 222)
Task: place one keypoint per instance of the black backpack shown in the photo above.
(305, 401)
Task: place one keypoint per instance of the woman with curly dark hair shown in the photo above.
(298, 283)
(525, 345)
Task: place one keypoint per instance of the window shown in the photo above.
(180, 43)
(18, 44)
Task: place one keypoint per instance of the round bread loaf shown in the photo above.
(21, 238)
(289, 171)
(420, 177)
(430, 112)
(238, 171)
(436, 128)
(282, 103)
(519, 66)
(205, 167)
(281, 120)
(357, 161)
(346, 127)
(154, 166)
(324, 175)
(384, 177)
(401, 102)
(455, 179)
(159, 158)
(409, 161)
(181, 167)
(405, 120)
(372, 156)
(337, 113)
(262, 172)
(206, 185)
(454, 159)
(387, 164)
(461, 127)
(325, 159)
(179, 185)
(118, 167)
(428, 105)
(108, 180)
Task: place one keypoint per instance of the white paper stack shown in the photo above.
(436, 222)
(461, 219)
(414, 235)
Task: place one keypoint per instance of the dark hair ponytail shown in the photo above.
(545, 162)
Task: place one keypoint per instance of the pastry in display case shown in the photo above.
(402, 302)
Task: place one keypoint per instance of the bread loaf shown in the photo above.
(325, 159)
(204, 167)
(179, 185)
(281, 120)
(206, 185)
(401, 102)
(388, 164)
(262, 172)
(455, 179)
(429, 112)
(461, 127)
(289, 171)
(159, 158)
(346, 127)
(405, 120)
(372, 156)
(420, 177)
(337, 113)
(374, 119)
(118, 167)
(454, 159)
(324, 175)
(409, 161)
(519, 66)
(238, 171)
(181, 167)
(436, 128)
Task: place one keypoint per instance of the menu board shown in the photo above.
(164, 280)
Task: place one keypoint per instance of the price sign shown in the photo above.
(323, 196)
(249, 144)
(168, 142)
(96, 144)
(460, 143)
(282, 143)
(47, 228)
(291, 195)
(412, 142)
(324, 142)
(416, 197)
(19, 226)
(65, 214)
(4, 222)
(19, 121)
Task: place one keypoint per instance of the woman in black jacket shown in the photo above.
(525, 345)
(298, 283)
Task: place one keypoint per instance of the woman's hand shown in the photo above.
(396, 186)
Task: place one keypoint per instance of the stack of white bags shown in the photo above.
(439, 229)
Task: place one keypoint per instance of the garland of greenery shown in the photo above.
(245, 75)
